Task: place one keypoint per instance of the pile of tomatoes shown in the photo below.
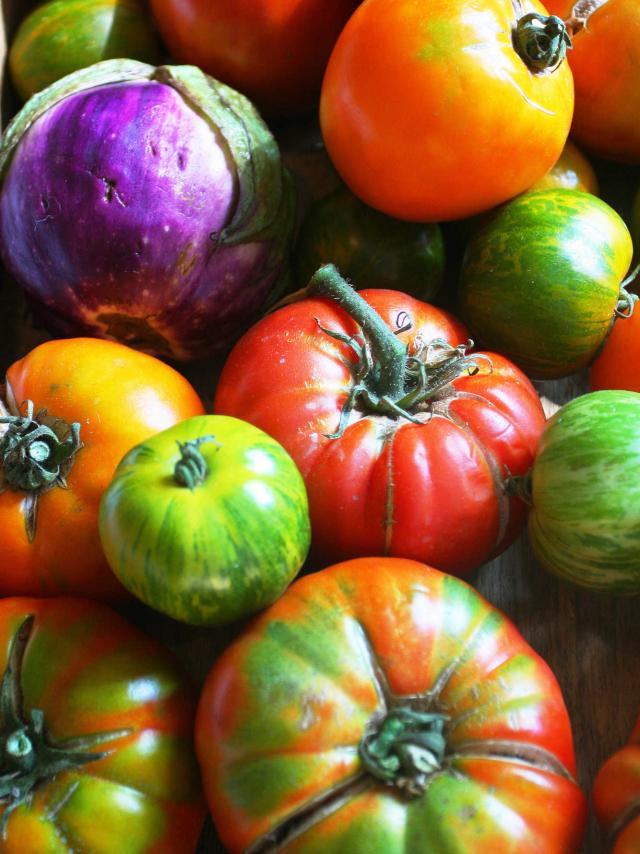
(378, 431)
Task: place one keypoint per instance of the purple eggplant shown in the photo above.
(147, 205)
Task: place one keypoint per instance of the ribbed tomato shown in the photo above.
(440, 109)
(404, 441)
(71, 410)
(97, 722)
(616, 796)
(382, 707)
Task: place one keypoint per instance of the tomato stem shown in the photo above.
(191, 469)
(541, 41)
(626, 301)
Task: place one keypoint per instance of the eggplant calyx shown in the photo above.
(27, 755)
(541, 41)
(405, 749)
(387, 379)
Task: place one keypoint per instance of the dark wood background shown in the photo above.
(591, 642)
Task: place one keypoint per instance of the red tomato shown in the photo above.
(605, 61)
(273, 51)
(429, 113)
(383, 707)
(616, 795)
(617, 366)
(429, 488)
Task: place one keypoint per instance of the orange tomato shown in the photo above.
(617, 364)
(118, 397)
(273, 51)
(429, 113)
(605, 61)
(572, 171)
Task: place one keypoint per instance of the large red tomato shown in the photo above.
(616, 796)
(429, 112)
(605, 61)
(273, 51)
(404, 442)
(382, 707)
(72, 409)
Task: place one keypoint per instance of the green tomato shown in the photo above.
(207, 521)
(585, 490)
(541, 280)
(369, 248)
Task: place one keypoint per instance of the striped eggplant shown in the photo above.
(206, 521)
(585, 493)
(148, 205)
(541, 280)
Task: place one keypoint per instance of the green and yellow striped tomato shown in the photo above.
(207, 521)
(97, 735)
(541, 281)
(383, 707)
(62, 36)
(585, 491)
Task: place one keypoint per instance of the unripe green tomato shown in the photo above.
(207, 521)
(62, 36)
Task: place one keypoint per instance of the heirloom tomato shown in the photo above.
(404, 440)
(72, 409)
(273, 51)
(207, 521)
(616, 796)
(542, 280)
(572, 171)
(618, 363)
(584, 523)
(440, 109)
(97, 726)
(382, 707)
(605, 62)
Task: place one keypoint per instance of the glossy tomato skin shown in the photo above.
(119, 397)
(431, 491)
(418, 94)
(90, 672)
(273, 51)
(617, 364)
(283, 710)
(541, 279)
(214, 549)
(605, 60)
(572, 171)
(616, 791)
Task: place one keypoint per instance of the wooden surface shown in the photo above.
(592, 643)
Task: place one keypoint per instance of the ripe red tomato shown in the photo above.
(605, 61)
(617, 364)
(429, 113)
(616, 795)
(429, 486)
(381, 706)
(273, 51)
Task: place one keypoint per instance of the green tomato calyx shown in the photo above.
(627, 301)
(541, 41)
(405, 749)
(27, 756)
(387, 379)
(191, 469)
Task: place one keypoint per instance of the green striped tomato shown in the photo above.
(585, 520)
(541, 280)
(62, 36)
(206, 521)
(383, 707)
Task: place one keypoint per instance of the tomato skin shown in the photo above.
(431, 492)
(540, 281)
(605, 60)
(417, 94)
(216, 551)
(616, 790)
(617, 364)
(273, 51)
(585, 493)
(284, 708)
(120, 397)
(90, 672)
(572, 171)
